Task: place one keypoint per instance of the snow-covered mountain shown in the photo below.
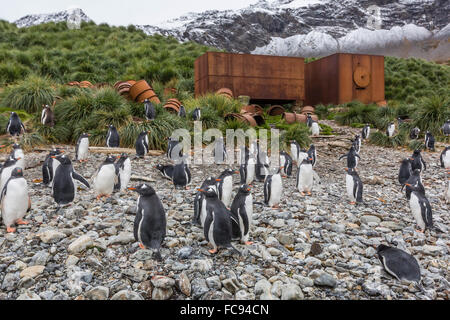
(312, 28)
(61, 16)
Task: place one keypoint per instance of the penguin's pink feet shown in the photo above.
(187, 188)
(99, 196)
(275, 206)
(352, 202)
(302, 193)
(20, 221)
(309, 193)
(419, 231)
(141, 246)
(10, 229)
(248, 243)
(212, 251)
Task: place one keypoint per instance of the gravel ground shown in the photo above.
(313, 247)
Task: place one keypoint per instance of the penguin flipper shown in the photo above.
(244, 217)
(78, 177)
(207, 225)
(343, 156)
(267, 189)
(359, 191)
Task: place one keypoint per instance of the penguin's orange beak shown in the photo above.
(218, 179)
(310, 159)
(407, 184)
(411, 158)
(131, 188)
(88, 134)
(346, 169)
(236, 171)
(201, 190)
(19, 158)
(281, 167)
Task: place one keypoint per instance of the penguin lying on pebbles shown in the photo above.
(273, 188)
(181, 176)
(64, 188)
(399, 264)
(420, 208)
(105, 178)
(200, 202)
(417, 161)
(414, 180)
(14, 200)
(141, 144)
(429, 141)
(305, 177)
(225, 186)
(354, 186)
(15, 126)
(17, 153)
(445, 158)
(112, 137)
(405, 171)
(365, 132)
(123, 172)
(217, 228)
(82, 148)
(166, 170)
(5, 172)
(50, 165)
(286, 164)
(390, 129)
(352, 158)
(150, 221)
(242, 211)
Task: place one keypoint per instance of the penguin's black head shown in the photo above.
(160, 167)
(143, 189)
(110, 159)
(416, 152)
(244, 188)
(144, 133)
(123, 155)
(382, 247)
(63, 159)
(56, 151)
(85, 135)
(17, 172)
(112, 127)
(16, 146)
(14, 115)
(146, 100)
(227, 172)
(209, 191)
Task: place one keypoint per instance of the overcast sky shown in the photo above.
(119, 12)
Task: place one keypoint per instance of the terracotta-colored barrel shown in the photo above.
(147, 94)
(294, 117)
(74, 83)
(131, 81)
(243, 117)
(225, 92)
(275, 110)
(253, 108)
(137, 88)
(174, 101)
(259, 119)
(172, 105)
(85, 84)
(307, 109)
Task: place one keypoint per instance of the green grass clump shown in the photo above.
(296, 131)
(381, 139)
(357, 112)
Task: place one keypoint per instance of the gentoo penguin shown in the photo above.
(82, 148)
(217, 228)
(262, 166)
(242, 212)
(8, 166)
(445, 158)
(295, 149)
(400, 122)
(112, 137)
(15, 127)
(414, 133)
(247, 167)
(50, 165)
(286, 164)
(354, 186)
(17, 153)
(352, 158)
(225, 186)
(390, 129)
(357, 143)
(141, 144)
(14, 200)
(150, 111)
(123, 172)
(309, 120)
(429, 141)
(181, 175)
(197, 114)
(446, 128)
(166, 170)
(150, 221)
(417, 161)
(398, 263)
(182, 112)
(312, 153)
(420, 208)
(200, 201)
(365, 132)
(105, 178)
(315, 129)
(405, 171)
(273, 188)
(219, 152)
(174, 149)
(64, 188)
(414, 180)
(254, 148)
(305, 177)
(47, 116)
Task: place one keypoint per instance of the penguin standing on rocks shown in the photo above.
(105, 178)
(47, 116)
(64, 188)
(182, 112)
(5, 172)
(405, 171)
(150, 221)
(219, 152)
(414, 133)
(417, 161)
(415, 181)
(305, 177)
(390, 129)
(218, 223)
(14, 200)
(365, 132)
(242, 212)
(123, 172)
(166, 170)
(174, 149)
(17, 153)
(357, 143)
(312, 153)
(225, 186)
(112, 137)
(262, 166)
(141, 144)
(181, 175)
(273, 188)
(286, 164)
(82, 148)
(50, 165)
(352, 158)
(150, 111)
(309, 120)
(445, 158)
(420, 208)
(429, 141)
(197, 114)
(354, 186)
(398, 263)
(315, 129)
(446, 128)
(295, 149)
(200, 202)
(15, 126)
(247, 167)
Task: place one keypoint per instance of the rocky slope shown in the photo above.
(317, 247)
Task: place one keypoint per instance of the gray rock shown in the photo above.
(286, 239)
(325, 279)
(231, 284)
(28, 295)
(40, 258)
(198, 288)
(51, 236)
(98, 293)
(368, 218)
(214, 282)
(184, 284)
(185, 252)
(163, 282)
(122, 238)
(201, 265)
(162, 294)
(291, 292)
(80, 244)
(262, 286)
(127, 295)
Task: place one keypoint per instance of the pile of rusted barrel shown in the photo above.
(300, 117)
(136, 90)
(81, 84)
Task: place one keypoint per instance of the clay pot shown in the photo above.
(253, 109)
(172, 105)
(259, 119)
(294, 117)
(243, 117)
(74, 83)
(139, 87)
(147, 94)
(307, 109)
(275, 110)
(225, 92)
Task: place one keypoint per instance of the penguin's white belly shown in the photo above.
(83, 149)
(306, 178)
(20, 163)
(250, 171)
(140, 225)
(391, 130)
(446, 160)
(302, 156)
(104, 182)
(275, 190)
(282, 161)
(294, 152)
(349, 184)
(55, 165)
(211, 232)
(6, 173)
(125, 175)
(226, 190)
(368, 133)
(416, 210)
(203, 212)
(43, 116)
(15, 202)
(315, 130)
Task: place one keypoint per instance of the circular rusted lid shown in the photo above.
(361, 77)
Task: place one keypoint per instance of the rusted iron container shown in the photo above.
(172, 105)
(275, 110)
(344, 77)
(253, 108)
(138, 88)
